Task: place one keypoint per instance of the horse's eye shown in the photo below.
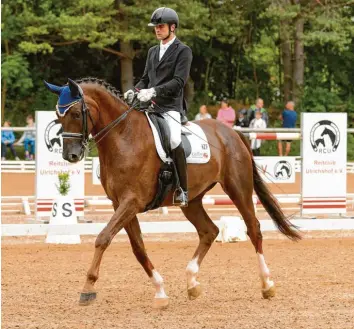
(75, 115)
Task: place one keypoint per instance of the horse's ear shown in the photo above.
(74, 88)
(53, 88)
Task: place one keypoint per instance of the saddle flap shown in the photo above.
(194, 140)
(163, 131)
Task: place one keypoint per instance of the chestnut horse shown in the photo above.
(129, 166)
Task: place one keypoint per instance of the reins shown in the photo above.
(106, 130)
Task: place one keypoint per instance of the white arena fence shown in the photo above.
(10, 230)
(30, 166)
(100, 204)
(25, 203)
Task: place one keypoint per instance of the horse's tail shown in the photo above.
(269, 202)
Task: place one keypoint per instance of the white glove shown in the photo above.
(146, 94)
(129, 96)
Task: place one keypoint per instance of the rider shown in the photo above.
(165, 75)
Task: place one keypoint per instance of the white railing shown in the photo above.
(30, 166)
(249, 130)
(18, 128)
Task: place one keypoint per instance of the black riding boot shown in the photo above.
(181, 194)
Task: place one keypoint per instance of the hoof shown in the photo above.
(160, 303)
(194, 292)
(269, 293)
(87, 298)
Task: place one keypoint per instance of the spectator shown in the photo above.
(242, 121)
(226, 114)
(258, 106)
(258, 123)
(288, 117)
(203, 113)
(7, 141)
(29, 139)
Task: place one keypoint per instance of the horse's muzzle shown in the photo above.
(72, 152)
(72, 158)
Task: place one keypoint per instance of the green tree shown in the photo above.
(35, 28)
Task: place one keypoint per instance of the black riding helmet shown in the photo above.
(164, 15)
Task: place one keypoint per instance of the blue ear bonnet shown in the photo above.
(66, 100)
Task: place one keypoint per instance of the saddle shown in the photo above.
(164, 133)
(167, 175)
(195, 146)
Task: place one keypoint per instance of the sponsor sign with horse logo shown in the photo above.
(325, 137)
(49, 149)
(283, 170)
(52, 136)
(324, 159)
(98, 174)
(96, 171)
(277, 169)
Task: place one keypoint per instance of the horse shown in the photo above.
(281, 171)
(319, 141)
(129, 166)
(330, 134)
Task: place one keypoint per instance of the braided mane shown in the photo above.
(107, 86)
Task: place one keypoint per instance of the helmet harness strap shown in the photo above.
(169, 31)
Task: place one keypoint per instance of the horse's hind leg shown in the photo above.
(137, 243)
(207, 232)
(241, 195)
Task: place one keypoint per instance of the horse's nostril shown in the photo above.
(73, 157)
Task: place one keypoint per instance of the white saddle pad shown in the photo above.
(196, 136)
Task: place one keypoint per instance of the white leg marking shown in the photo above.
(158, 283)
(192, 271)
(264, 273)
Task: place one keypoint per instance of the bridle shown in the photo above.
(84, 135)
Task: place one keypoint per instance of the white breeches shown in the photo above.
(173, 119)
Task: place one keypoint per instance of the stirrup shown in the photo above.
(180, 200)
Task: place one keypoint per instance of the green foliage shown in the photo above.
(330, 27)
(64, 183)
(15, 70)
(350, 147)
(236, 50)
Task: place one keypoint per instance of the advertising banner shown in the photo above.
(49, 163)
(96, 179)
(276, 169)
(324, 153)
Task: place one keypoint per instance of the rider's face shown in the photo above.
(161, 31)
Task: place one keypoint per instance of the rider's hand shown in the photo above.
(145, 95)
(129, 96)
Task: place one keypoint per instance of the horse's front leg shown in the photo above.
(125, 212)
(137, 243)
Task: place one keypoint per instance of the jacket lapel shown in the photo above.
(156, 56)
(168, 52)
